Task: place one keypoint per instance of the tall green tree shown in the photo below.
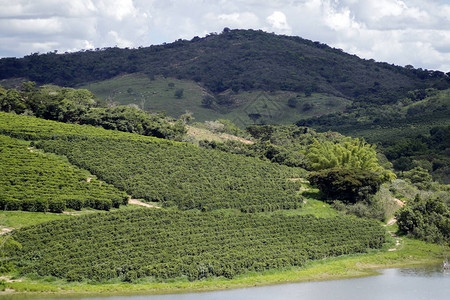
(349, 153)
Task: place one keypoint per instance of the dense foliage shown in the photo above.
(184, 175)
(432, 106)
(37, 182)
(414, 132)
(167, 244)
(426, 151)
(31, 128)
(282, 144)
(235, 60)
(81, 107)
(160, 170)
(427, 219)
(348, 185)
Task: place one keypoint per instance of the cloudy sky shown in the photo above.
(401, 32)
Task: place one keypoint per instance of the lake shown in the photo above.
(412, 283)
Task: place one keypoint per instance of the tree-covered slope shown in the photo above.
(174, 173)
(81, 107)
(166, 244)
(235, 60)
(34, 181)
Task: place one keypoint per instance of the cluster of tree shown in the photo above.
(428, 152)
(348, 174)
(348, 169)
(36, 182)
(167, 244)
(346, 184)
(235, 60)
(361, 114)
(80, 106)
(427, 219)
(282, 144)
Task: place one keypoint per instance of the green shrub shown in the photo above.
(346, 185)
(56, 205)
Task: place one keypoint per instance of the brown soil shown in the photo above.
(193, 131)
(137, 202)
(5, 230)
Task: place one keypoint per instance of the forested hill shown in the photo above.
(235, 60)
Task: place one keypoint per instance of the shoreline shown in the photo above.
(413, 253)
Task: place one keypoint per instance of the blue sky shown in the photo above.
(401, 32)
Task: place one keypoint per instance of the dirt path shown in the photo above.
(391, 222)
(397, 241)
(399, 202)
(137, 202)
(5, 230)
(207, 134)
(397, 238)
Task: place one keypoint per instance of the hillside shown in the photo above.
(34, 181)
(241, 107)
(224, 204)
(226, 67)
(176, 174)
(133, 244)
(239, 200)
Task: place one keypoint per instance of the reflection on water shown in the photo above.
(427, 271)
(425, 283)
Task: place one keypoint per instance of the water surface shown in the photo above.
(425, 283)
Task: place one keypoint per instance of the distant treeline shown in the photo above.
(82, 107)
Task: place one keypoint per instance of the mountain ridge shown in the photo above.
(235, 60)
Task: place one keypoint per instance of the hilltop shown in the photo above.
(289, 76)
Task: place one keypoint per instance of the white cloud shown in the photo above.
(238, 20)
(277, 21)
(403, 32)
(31, 26)
(118, 9)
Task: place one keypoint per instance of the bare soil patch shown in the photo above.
(138, 202)
(5, 230)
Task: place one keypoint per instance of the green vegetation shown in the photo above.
(237, 210)
(31, 128)
(19, 219)
(414, 132)
(409, 254)
(160, 170)
(427, 219)
(168, 244)
(184, 175)
(81, 107)
(33, 181)
(348, 185)
(424, 151)
(235, 60)
(157, 94)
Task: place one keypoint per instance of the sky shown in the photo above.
(400, 32)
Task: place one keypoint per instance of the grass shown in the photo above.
(18, 219)
(411, 253)
(314, 207)
(158, 95)
(154, 95)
